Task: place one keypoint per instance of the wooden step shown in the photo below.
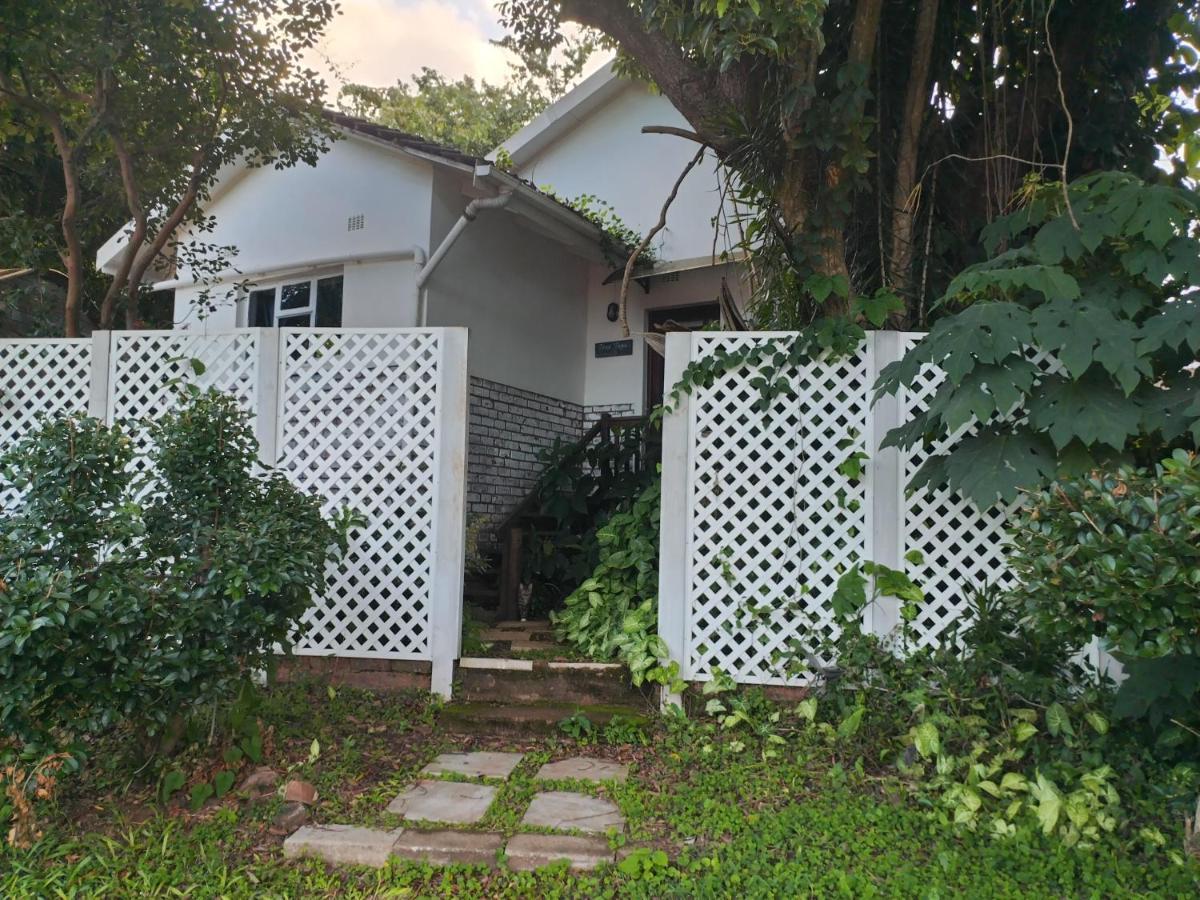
(521, 719)
(488, 680)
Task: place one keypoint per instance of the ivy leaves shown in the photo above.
(1071, 344)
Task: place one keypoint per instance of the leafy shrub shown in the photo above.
(577, 492)
(994, 730)
(614, 613)
(1117, 555)
(1106, 287)
(117, 610)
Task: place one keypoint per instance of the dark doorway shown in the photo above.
(672, 318)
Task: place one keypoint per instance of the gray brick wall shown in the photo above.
(507, 430)
(592, 414)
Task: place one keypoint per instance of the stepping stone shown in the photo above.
(480, 764)
(532, 851)
(564, 809)
(583, 768)
(444, 801)
(344, 844)
(444, 848)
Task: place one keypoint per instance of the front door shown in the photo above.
(672, 318)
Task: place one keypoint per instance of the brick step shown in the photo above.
(529, 719)
(488, 680)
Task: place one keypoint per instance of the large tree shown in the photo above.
(143, 103)
(473, 116)
(875, 138)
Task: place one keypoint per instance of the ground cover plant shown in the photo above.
(709, 815)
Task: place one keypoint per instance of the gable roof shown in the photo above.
(563, 114)
(401, 138)
(544, 210)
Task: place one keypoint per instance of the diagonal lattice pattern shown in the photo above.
(964, 548)
(772, 522)
(358, 424)
(40, 378)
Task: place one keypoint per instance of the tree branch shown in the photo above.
(645, 241)
(676, 132)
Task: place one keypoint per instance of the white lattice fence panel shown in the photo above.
(147, 369)
(358, 424)
(772, 522)
(40, 378)
(964, 548)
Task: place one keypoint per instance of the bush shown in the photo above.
(1116, 555)
(117, 610)
(614, 613)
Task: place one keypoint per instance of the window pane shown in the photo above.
(294, 296)
(294, 321)
(329, 302)
(261, 309)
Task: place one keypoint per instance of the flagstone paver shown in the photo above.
(480, 764)
(532, 851)
(565, 810)
(443, 848)
(342, 844)
(583, 768)
(444, 801)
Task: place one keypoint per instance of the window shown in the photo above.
(297, 304)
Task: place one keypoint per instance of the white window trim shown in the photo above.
(277, 285)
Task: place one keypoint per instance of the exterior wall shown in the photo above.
(606, 154)
(592, 414)
(507, 430)
(622, 379)
(523, 297)
(297, 221)
(380, 294)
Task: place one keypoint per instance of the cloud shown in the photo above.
(380, 42)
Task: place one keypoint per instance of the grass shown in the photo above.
(732, 825)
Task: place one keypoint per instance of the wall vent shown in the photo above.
(356, 223)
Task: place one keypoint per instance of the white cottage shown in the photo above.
(388, 230)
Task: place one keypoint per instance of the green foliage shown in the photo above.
(614, 613)
(179, 90)
(1115, 555)
(576, 493)
(579, 727)
(617, 239)
(1104, 289)
(115, 609)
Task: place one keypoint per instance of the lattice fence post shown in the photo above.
(450, 516)
(266, 413)
(887, 481)
(673, 577)
(98, 379)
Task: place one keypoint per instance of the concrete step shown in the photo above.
(530, 719)
(489, 680)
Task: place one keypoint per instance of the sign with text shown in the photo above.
(605, 349)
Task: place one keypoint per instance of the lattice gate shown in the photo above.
(758, 521)
(370, 419)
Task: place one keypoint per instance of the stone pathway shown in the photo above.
(466, 802)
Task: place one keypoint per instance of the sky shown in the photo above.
(379, 42)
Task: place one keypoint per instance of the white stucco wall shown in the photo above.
(607, 155)
(622, 379)
(523, 297)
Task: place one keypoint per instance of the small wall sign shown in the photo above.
(605, 349)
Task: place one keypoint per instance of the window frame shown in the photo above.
(276, 286)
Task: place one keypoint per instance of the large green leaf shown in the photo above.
(1091, 410)
(992, 465)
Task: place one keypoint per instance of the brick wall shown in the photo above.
(592, 414)
(507, 430)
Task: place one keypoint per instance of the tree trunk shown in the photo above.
(72, 255)
(916, 101)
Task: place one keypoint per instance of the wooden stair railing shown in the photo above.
(511, 530)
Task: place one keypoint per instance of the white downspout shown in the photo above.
(426, 269)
